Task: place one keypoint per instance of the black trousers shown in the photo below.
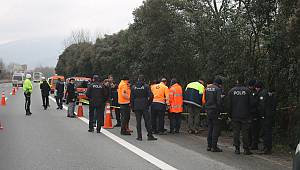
(267, 131)
(96, 113)
(146, 115)
(59, 101)
(238, 126)
(175, 121)
(254, 132)
(118, 115)
(214, 128)
(125, 115)
(27, 102)
(45, 101)
(160, 115)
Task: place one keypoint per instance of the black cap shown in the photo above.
(96, 78)
(141, 78)
(252, 82)
(173, 81)
(259, 84)
(125, 78)
(218, 81)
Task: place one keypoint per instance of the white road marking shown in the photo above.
(148, 157)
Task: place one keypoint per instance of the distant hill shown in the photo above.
(35, 52)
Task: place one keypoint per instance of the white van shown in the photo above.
(18, 79)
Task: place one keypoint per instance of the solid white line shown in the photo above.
(150, 158)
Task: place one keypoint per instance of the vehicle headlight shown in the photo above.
(297, 149)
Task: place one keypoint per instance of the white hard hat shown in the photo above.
(28, 76)
(43, 78)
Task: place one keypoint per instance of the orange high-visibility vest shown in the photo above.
(160, 93)
(176, 99)
(124, 92)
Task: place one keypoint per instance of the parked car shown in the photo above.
(18, 79)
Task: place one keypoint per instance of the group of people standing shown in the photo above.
(251, 108)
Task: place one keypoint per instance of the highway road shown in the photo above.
(50, 140)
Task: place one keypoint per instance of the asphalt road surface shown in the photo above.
(50, 140)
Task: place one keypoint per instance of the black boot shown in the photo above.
(216, 149)
(247, 152)
(237, 150)
(151, 137)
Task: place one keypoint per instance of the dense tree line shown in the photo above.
(192, 39)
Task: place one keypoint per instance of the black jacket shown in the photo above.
(266, 103)
(71, 93)
(213, 98)
(114, 97)
(141, 96)
(60, 87)
(45, 88)
(239, 103)
(254, 104)
(97, 94)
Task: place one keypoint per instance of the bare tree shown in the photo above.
(77, 37)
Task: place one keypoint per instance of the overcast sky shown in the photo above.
(32, 31)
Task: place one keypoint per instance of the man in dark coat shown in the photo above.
(141, 97)
(45, 90)
(98, 96)
(213, 107)
(239, 110)
(71, 98)
(60, 89)
(266, 109)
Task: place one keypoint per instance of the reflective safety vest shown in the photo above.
(27, 86)
(161, 93)
(176, 99)
(124, 92)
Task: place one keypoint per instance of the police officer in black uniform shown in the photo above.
(140, 100)
(239, 110)
(266, 109)
(255, 120)
(98, 95)
(213, 106)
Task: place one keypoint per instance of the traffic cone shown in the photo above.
(3, 100)
(13, 91)
(1, 127)
(80, 110)
(108, 121)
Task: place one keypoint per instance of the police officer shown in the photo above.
(97, 95)
(255, 118)
(213, 106)
(239, 109)
(266, 109)
(141, 97)
(27, 88)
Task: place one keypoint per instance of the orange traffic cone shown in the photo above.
(1, 127)
(3, 100)
(13, 91)
(108, 121)
(80, 110)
